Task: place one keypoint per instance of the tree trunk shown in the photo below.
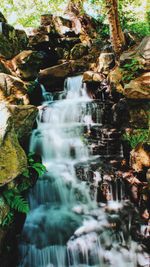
(117, 36)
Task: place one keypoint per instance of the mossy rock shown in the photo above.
(12, 158)
(6, 48)
(78, 51)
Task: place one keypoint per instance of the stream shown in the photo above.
(66, 226)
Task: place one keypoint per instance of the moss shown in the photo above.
(12, 158)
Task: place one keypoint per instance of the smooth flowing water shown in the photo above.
(65, 227)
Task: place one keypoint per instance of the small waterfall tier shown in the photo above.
(65, 226)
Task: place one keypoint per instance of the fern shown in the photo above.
(135, 138)
(16, 201)
(24, 185)
(131, 70)
(13, 197)
(34, 165)
(8, 219)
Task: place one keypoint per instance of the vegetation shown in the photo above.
(131, 70)
(134, 15)
(14, 194)
(136, 137)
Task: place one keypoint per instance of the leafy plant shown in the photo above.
(134, 138)
(13, 196)
(131, 70)
(8, 219)
(15, 200)
(140, 29)
(35, 165)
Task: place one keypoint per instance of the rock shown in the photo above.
(115, 78)
(12, 157)
(54, 76)
(148, 177)
(22, 39)
(106, 62)
(12, 90)
(2, 18)
(46, 19)
(23, 118)
(6, 48)
(138, 88)
(79, 66)
(120, 113)
(11, 41)
(62, 25)
(58, 21)
(129, 38)
(78, 51)
(27, 64)
(91, 76)
(3, 66)
(62, 53)
(140, 157)
(140, 53)
(58, 25)
(139, 113)
(67, 42)
(4, 209)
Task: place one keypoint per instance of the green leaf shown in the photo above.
(26, 173)
(8, 219)
(16, 201)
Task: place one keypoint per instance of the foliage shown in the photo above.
(8, 219)
(13, 195)
(27, 13)
(134, 17)
(134, 138)
(140, 29)
(131, 70)
(38, 167)
(15, 200)
(104, 29)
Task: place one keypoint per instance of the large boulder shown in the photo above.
(3, 66)
(11, 41)
(132, 113)
(78, 51)
(106, 62)
(23, 118)
(12, 90)
(27, 64)
(115, 80)
(12, 157)
(140, 53)
(138, 88)
(58, 24)
(138, 113)
(54, 76)
(91, 76)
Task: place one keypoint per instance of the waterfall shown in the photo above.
(65, 226)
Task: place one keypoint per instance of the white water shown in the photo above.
(65, 228)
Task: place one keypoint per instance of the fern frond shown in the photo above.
(16, 201)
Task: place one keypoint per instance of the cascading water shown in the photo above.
(65, 228)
